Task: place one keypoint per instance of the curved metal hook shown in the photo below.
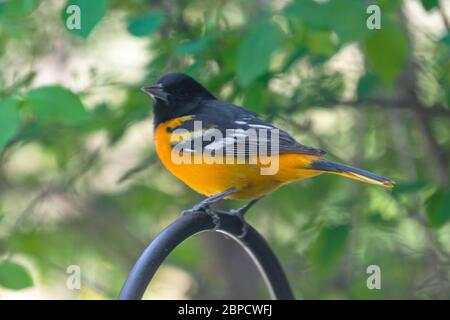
(191, 224)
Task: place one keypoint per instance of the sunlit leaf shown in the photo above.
(147, 24)
(387, 51)
(347, 18)
(14, 276)
(57, 104)
(320, 43)
(194, 46)
(255, 53)
(18, 8)
(9, 121)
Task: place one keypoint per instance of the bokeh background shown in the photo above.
(80, 183)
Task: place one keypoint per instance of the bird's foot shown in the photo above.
(196, 209)
(205, 204)
(239, 213)
(204, 208)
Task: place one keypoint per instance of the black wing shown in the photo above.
(241, 132)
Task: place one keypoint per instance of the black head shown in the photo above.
(175, 95)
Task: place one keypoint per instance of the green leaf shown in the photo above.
(9, 121)
(91, 12)
(299, 53)
(445, 40)
(18, 8)
(347, 18)
(256, 96)
(194, 46)
(327, 250)
(429, 4)
(367, 85)
(320, 43)
(408, 187)
(438, 208)
(387, 51)
(14, 276)
(255, 53)
(147, 24)
(57, 104)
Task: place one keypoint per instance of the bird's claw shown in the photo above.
(204, 208)
(195, 209)
(239, 213)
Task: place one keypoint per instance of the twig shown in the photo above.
(435, 110)
(445, 19)
(29, 209)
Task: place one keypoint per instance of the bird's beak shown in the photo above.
(156, 92)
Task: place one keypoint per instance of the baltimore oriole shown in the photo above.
(180, 102)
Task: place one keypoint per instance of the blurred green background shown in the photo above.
(80, 183)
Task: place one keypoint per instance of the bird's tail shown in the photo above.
(351, 172)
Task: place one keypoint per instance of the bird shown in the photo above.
(220, 143)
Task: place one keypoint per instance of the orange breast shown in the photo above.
(213, 178)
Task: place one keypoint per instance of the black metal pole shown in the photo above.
(191, 224)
